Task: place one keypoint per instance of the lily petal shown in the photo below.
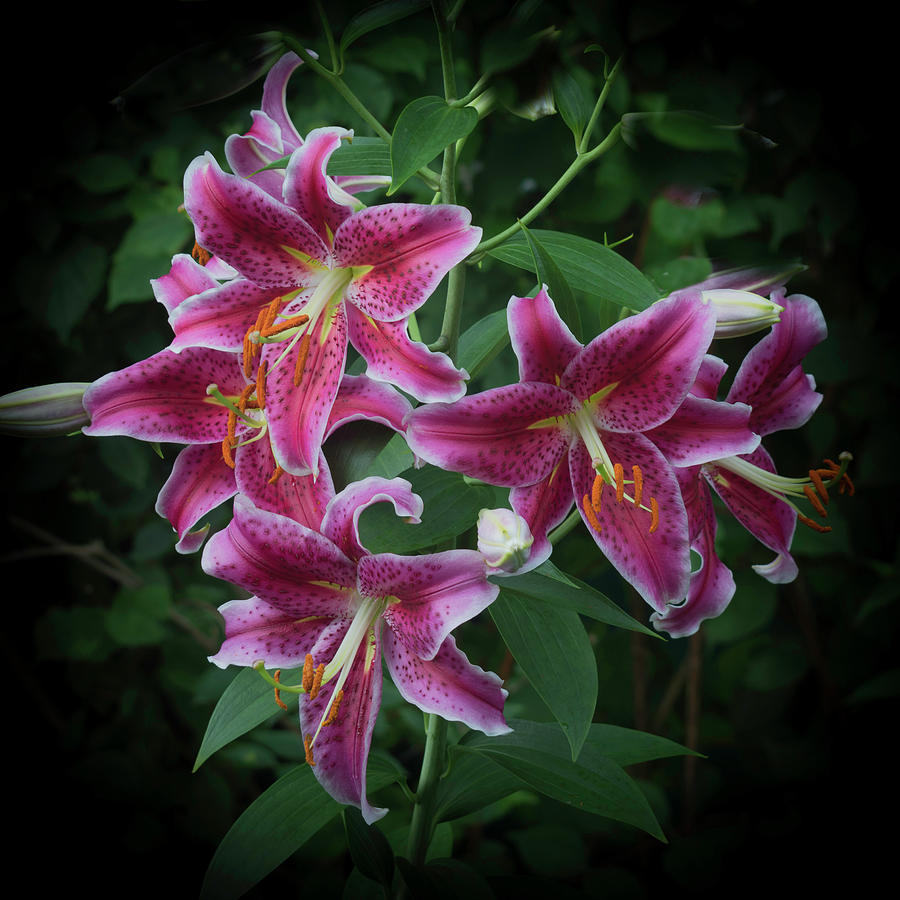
(436, 592)
(647, 363)
(359, 397)
(163, 398)
(508, 436)
(657, 564)
(703, 430)
(544, 506)
(185, 279)
(298, 413)
(541, 340)
(307, 188)
(263, 239)
(283, 563)
(448, 685)
(767, 518)
(200, 481)
(392, 357)
(409, 246)
(256, 630)
(341, 749)
(341, 521)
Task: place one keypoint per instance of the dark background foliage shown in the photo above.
(790, 695)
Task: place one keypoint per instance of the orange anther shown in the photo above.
(813, 498)
(271, 312)
(277, 676)
(261, 384)
(816, 479)
(301, 359)
(848, 484)
(247, 355)
(294, 322)
(654, 515)
(200, 255)
(638, 484)
(333, 712)
(276, 474)
(619, 474)
(822, 529)
(317, 681)
(307, 746)
(226, 453)
(308, 665)
(597, 492)
(589, 514)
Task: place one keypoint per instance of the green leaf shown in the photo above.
(479, 344)
(474, 781)
(361, 156)
(537, 753)
(280, 821)
(553, 650)
(572, 101)
(451, 507)
(247, 702)
(77, 278)
(103, 173)
(377, 16)
(587, 266)
(688, 130)
(369, 848)
(424, 128)
(396, 457)
(570, 594)
(549, 274)
(136, 616)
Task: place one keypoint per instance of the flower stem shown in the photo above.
(580, 161)
(422, 826)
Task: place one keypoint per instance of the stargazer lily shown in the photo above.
(771, 381)
(575, 426)
(202, 398)
(314, 272)
(324, 602)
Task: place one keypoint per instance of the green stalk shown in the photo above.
(581, 161)
(422, 826)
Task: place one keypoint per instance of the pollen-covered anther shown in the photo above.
(276, 475)
(638, 484)
(307, 746)
(200, 255)
(316, 681)
(589, 514)
(294, 322)
(276, 675)
(815, 476)
(261, 384)
(814, 500)
(307, 678)
(619, 474)
(301, 359)
(597, 492)
(810, 523)
(333, 712)
(654, 515)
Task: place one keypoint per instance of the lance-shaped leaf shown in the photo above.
(424, 128)
(549, 274)
(369, 849)
(473, 782)
(480, 343)
(361, 156)
(572, 100)
(587, 266)
(553, 650)
(597, 784)
(378, 16)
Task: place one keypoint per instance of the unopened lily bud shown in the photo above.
(758, 279)
(45, 411)
(739, 313)
(504, 539)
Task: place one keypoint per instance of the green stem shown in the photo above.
(580, 161)
(601, 100)
(422, 826)
(328, 36)
(426, 174)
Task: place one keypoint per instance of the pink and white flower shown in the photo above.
(321, 600)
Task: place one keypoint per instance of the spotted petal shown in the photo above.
(448, 685)
(657, 564)
(544, 506)
(507, 436)
(409, 246)
(432, 594)
(185, 279)
(644, 365)
(542, 342)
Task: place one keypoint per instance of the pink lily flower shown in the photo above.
(577, 422)
(781, 396)
(201, 398)
(324, 602)
(315, 272)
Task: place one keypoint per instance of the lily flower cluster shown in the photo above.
(290, 269)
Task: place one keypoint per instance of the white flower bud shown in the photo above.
(739, 313)
(504, 539)
(44, 411)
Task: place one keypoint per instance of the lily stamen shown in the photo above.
(276, 675)
(276, 474)
(590, 514)
(307, 746)
(810, 523)
(619, 475)
(308, 667)
(814, 500)
(200, 255)
(301, 359)
(333, 712)
(316, 681)
(638, 484)
(654, 515)
(597, 492)
(261, 384)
